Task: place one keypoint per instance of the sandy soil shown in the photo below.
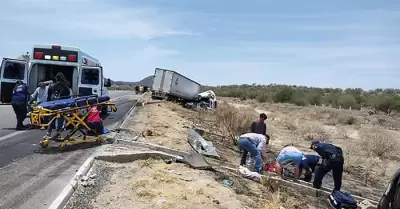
(159, 123)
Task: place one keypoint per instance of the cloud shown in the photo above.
(91, 19)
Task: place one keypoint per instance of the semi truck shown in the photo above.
(84, 72)
(170, 85)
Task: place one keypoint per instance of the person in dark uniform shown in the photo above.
(309, 163)
(332, 159)
(19, 103)
(56, 91)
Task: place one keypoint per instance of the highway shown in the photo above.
(32, 177)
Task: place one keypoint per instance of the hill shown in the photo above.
(147, 81)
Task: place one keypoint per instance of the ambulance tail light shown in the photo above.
(72, 58)
(38, 55)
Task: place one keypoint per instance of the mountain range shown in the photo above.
(147, 81)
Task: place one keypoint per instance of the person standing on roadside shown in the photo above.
(259, 126)
(57, 91)
(19, 103)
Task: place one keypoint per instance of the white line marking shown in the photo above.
(11, 135)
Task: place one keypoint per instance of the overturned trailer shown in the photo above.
(170, 85)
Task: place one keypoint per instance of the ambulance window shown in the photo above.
(14, 70)
(90, 76)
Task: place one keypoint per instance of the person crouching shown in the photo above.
(255, 144)
(94, 121)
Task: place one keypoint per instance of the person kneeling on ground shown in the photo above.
(332, 159)
(93, 120)
(289, 155)
(308, 164)
(255, 144)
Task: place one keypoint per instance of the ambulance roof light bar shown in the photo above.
(55, 46)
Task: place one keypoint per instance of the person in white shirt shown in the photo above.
(255, 144)
(40, 94)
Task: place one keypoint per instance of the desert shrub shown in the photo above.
(369, 169)
(234, 121)
(378, 142)
(313, 131)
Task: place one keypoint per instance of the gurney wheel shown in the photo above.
(62, 145)
(45, 143)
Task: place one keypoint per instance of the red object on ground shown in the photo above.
(269, 167)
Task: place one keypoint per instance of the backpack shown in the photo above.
(342, 200)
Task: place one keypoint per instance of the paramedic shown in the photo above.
(93, 120)
(332, 159)
(56, 91)
(309, 163)
(292, 155)
(19, 103)
(255, 144)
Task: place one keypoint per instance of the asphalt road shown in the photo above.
(32, 177)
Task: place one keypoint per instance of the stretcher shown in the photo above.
(74, 112)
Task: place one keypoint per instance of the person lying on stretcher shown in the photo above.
(93, 120)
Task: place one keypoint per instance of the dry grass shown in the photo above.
(378, 142)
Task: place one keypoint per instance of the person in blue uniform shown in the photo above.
(19, 103)
(309, 163)
(332, 159)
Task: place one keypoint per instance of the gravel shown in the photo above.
(82, 197)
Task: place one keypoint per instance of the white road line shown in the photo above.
(11, 135)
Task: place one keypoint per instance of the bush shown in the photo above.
(386, 100)
(234, 121)
(313, 131)
(378, 142)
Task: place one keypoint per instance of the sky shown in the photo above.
(314, 43)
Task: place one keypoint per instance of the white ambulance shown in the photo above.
(83, 71)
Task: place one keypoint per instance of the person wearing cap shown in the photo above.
(332, 159)
(19, 103)
(289, 155)
(255, 144)
(309, 163)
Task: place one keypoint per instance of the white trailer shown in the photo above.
(168, 84)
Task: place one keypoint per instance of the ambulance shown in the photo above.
(83, 71)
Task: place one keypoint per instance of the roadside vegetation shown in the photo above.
(384, 100)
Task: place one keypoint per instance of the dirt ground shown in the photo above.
(152, 183)
(155, 184)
